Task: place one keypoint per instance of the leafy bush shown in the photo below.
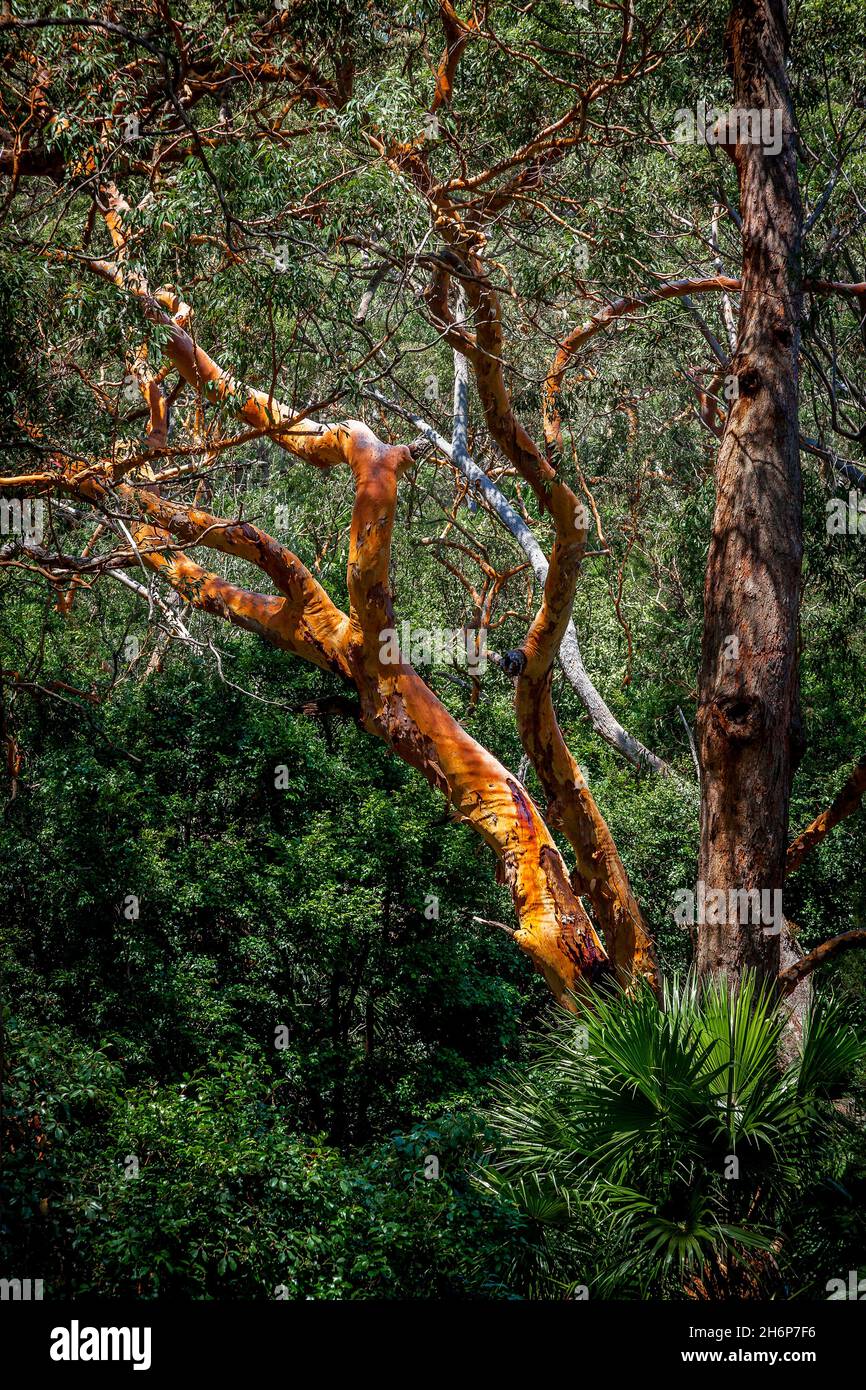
(664, 1152)
(200, 1190)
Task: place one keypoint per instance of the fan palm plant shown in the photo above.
(657, 1151)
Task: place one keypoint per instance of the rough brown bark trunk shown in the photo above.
(748, 717)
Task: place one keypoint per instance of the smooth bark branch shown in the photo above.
(305, 620)
(624, 307)
(603, 720)
(599, 870)
(302, 619)
(843, 804)
(457, 35)
(790, 978)
(401, 709)
(396, 705)
(748, 720)
(262, 614)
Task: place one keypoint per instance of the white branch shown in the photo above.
(604, 722)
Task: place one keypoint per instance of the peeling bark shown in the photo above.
(395, 704)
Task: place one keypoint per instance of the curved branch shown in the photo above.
(599, 869)
(837, 945)
(603, 721)
(843, 804)
(631, 304)
(457, 35)
(396, 704)
(267, 616)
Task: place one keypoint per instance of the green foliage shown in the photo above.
(169, 912)
(663, 1152)
(200, 1190)
(308, 907)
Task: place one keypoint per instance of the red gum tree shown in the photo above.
(752, 587)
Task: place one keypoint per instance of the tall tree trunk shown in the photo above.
(749, 730)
